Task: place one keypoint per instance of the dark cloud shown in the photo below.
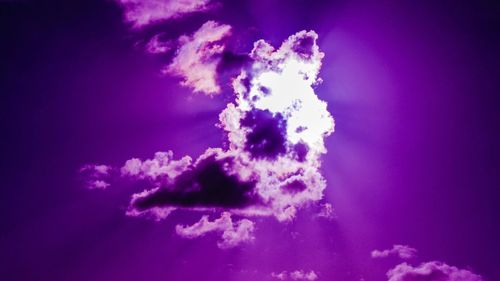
(230, 61)
(206, 184)
(296, 186)
(300, 150)
(304, 46)
(267, 135)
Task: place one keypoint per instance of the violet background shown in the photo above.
(412, 85)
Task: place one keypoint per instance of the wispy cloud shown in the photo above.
(298, 275)
(144, 12)
(402, 251)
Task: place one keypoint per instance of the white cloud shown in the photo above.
(402, 251)
(161, 168)
(233, 233)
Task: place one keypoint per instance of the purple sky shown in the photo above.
(412, 170)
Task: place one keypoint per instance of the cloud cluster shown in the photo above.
(431, 271)
(402, 251)
(233, 233)
(198, 56)
(296, 275)
(275, 130)
(144, 12)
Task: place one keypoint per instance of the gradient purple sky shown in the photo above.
(412, 85)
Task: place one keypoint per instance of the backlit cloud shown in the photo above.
(275, 129)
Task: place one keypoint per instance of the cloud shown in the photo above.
(157, 46)
(295, 275)
(144, 12)
(275, 133)
(275, 130)
(431, 271)
(160, 169)
(233, 233)
(198, 56)
(402, 251)
(205, 184)
(96, 176)
(326, 211)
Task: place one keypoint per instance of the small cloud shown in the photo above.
(158, 46)
(302, 275)
(280, 276)
(402, 251)
(298, 275)
(96, 176)
(144, 12)
(431, 271)
(233, 233)
(326, 211)
(197, 58)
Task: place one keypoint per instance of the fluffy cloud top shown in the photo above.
(161, 168)
(431, 271)
(402, 251)
(143, 12)
(198, 56)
